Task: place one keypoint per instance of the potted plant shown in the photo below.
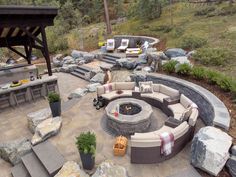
(55, 104)
(86, 144)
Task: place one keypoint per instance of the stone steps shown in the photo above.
(81, 72)
(44, 161)
(111, 59)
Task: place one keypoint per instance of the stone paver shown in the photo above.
(83, 117)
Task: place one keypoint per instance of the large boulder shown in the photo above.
(98, 78)
(128, 63)
(57, 60)
(233, 150)
(77, 54)
(71, 169)
(210, 149)
(68, 60)
(13, 151)
(67, 68)
(108, 169)
(37, 117)
(138, 76)
(77, 93)
(94, 71)
(93, 87)
(231, 165)
(46, 129)
(88, 57)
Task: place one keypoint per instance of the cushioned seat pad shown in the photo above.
(155, 95)
(113, 94)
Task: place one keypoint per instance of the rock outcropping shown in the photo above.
(108, 169)
(13, 151)
(210, 149)
(71, 169)
(37, 117)
(46, 129)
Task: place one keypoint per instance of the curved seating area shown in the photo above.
(182, 112)
(134, 39)
(212, 110)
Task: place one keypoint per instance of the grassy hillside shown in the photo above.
(219, 31)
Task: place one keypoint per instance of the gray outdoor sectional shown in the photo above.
(146, 147)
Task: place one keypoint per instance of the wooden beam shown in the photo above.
(17, 52)
(45, 51)
(31, 35)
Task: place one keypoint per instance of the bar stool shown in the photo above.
(20, 96)
(5, 100)
(36, 91)
(51, 86)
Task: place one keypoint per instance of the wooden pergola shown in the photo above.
(23, 26)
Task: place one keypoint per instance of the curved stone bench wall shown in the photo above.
(211, 109)
(133, 40)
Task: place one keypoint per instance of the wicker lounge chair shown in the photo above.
(124, 45)
(110, 45)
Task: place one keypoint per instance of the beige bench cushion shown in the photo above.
(146, 143)
(180, 130)
(193, 117)
(177, 109)
(151, 135)
(156, 87)
(124, 85)
(169, 91)
(113, 94)
(155, 95)
(186, 102)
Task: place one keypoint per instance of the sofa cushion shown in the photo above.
(178, 110)
(146, 143)
(124, 85)
(155, 95)
(156, 87)
(146, 87)
(186, 102)
(193, 117)
(180, 130)
(113, 94)
(169, 91)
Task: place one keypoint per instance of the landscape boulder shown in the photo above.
(46, 129)
(68, 60)
(12, 151)
(67, 68)
(37, 117)
(77, 54)
(128, 63)
(88, 57)
(108, 169)
(210, 149)
(57, 60)
(98, 78)
(138, 76)
(77, 93)
(93, 87)
(71, 169)
(231, 165)
(233, 150)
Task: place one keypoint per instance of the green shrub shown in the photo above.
(212, 56)
(177, 32)
(198, 73)
(86, 143)
(162, 28)
(212, 76)
(53, 97)
(224, 82)
(192, 42)
(169, 66)
(227, 10)
(184, 69)
(205, 11)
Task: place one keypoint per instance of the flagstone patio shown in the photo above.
(82, 116)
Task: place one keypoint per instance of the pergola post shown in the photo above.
(45, 52)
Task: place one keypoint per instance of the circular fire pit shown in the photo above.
(126, 116)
